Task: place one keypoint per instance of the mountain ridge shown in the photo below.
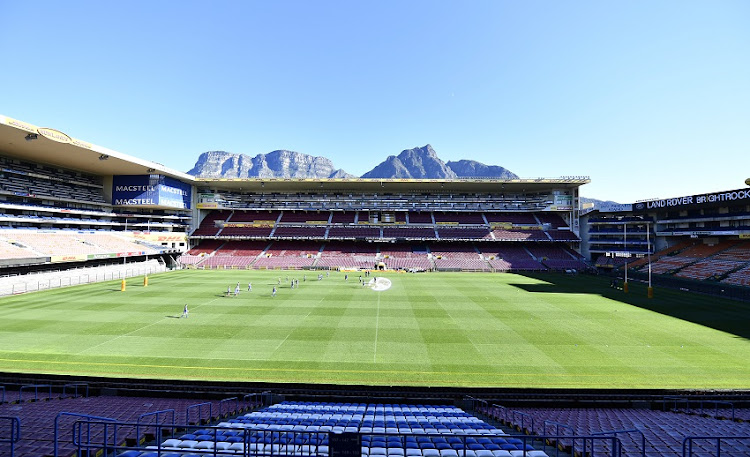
(416, 163)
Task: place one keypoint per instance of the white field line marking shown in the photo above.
(453, 319)
(287, 336)
(377, 326)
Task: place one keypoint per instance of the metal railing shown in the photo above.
(23, 284)
(201, 407)
(558, 426)
(140, 423)
(688, 445)
(77, 437)
(91, 436)
(526, 419)
(619, 443)
(14, 433)
(226, 404)
(36, 388)
(698, 405)
(75, 387)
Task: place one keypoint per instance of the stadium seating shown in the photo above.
(664, 432)
(463, 233)
(289, 254)
(409, 232)
(420, 217)
(740, 277)
(302, 428)
(514, 255)
(206, 247)
(457, 256)
(208, 225)
(343, 217)
(74, 243)
(552, 219)
(339, 254)
(261, 217)
(242, 248)
(512, 218)
(399, 226)
(459, 218)
(37, 418)
(289, 217)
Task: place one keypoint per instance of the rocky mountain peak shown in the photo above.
(416, 163)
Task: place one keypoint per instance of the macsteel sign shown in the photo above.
(150, 190)
(729, 196)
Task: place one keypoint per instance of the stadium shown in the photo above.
(147, 312)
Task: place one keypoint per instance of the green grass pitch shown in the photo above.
(431, 329)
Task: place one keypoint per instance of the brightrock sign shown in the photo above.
(692, 201)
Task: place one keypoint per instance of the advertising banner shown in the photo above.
(134, 190)
(174, 193)
(68, 258)
(150, 190)
(161, 237)
(694, 201)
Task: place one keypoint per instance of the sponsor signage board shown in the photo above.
(160, 237)
(615, 207)
(54, 135)
(712, 199)
(134, 190)
(174, 193)
(150, 190)
(562, 203)
(68, 258)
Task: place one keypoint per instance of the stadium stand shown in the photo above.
(662, 432)
(457, 256)
(514, 256)
(45, 414)
(63, 220)
(208, 226)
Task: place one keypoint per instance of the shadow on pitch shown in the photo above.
(718, 313)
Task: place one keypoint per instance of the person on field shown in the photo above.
(273, 292)
(249, 287)
(185, 311)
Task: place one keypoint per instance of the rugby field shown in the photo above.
(431, 329)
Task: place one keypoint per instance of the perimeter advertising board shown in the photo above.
(150, 190)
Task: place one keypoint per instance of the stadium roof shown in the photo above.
(26, 141)
(50, 146)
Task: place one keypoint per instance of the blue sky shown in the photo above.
(648, 98)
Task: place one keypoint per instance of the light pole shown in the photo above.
(625, 249)
(650, 290)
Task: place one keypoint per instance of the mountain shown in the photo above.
(417, 163)
(275, 164)
(474, 169)
(590, 204)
